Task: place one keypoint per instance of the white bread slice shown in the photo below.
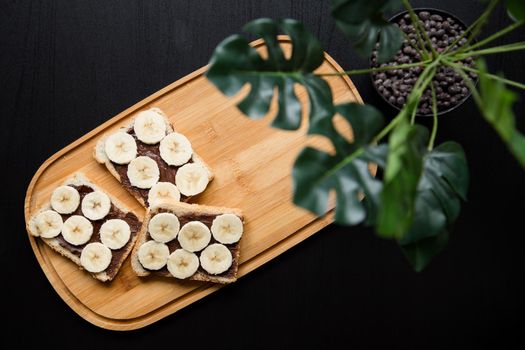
(79, 179)
(100, 155)
(181, 209)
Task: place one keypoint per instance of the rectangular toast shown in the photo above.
(58, 243)
(189, 213)
(167, 172)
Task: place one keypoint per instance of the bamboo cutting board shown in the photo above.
(252, 165)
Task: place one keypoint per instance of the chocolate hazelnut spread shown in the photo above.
(206, 220)
(167, 172)
(114, 213)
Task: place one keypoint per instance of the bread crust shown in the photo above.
(100, 155)
(180, 209)
(80, 179)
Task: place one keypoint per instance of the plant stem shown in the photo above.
(492, 50)
(497, 35)
(375, 70)
(424, 79)
(387, 128)
(482, 20)
(459, 69)
(413, 115)
(420, 31)
(495, 77)
(435, 116)
(347, 160)
(465, 33)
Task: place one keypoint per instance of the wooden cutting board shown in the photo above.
(252, 163)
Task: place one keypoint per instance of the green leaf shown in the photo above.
(235, 63)
(316, 173)
(403, 171)
(496, 107)
(363, 21)
(420, 253)
(443, 184)
(516, 9)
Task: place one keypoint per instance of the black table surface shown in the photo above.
(68, 66)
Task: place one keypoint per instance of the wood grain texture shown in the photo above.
(252, 165)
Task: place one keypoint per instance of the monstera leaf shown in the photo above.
(496, 107)
(421, 252)
(316, 173)
(402, 174)
(443, 184)
(235, 63)
(516, 9)
(363, 21)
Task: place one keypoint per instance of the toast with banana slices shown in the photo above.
(84, 224)
(189, 242)
(152, 161)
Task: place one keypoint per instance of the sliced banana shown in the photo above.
(120, 147)
(115, 233)
(65, 199)
(216, 258)
(153, 255)
(77, 230)
(163, 227)
(96, 205)
(191, 179)
(163, 191)
(95, 257)
(227, 228)
(143, 172)
(149, 127)
(175, 149)
(182, 264)
(194, 236)
(49, 224)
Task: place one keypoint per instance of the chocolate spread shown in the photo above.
(206, 220)
(114, 213)
(167, 172)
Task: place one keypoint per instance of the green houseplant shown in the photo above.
(417, 196)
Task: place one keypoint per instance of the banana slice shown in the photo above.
(163, 191)
(120, 147)
(175, 149)
(149, 127)
(227, 228)
(191, 179)
(153, 255)
(194, 236)
(95, 257)
(182, 264)
(65, 199)
(77, 230)
(49, 224)
(143, 172)
(163, 227)
(216, 259)
(115, 233)
(96, 205)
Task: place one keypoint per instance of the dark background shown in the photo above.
(68, 66)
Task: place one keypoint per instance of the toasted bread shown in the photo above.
(59, 246)
(192, 210)
(100, 155)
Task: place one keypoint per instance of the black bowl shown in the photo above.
(432, 11)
